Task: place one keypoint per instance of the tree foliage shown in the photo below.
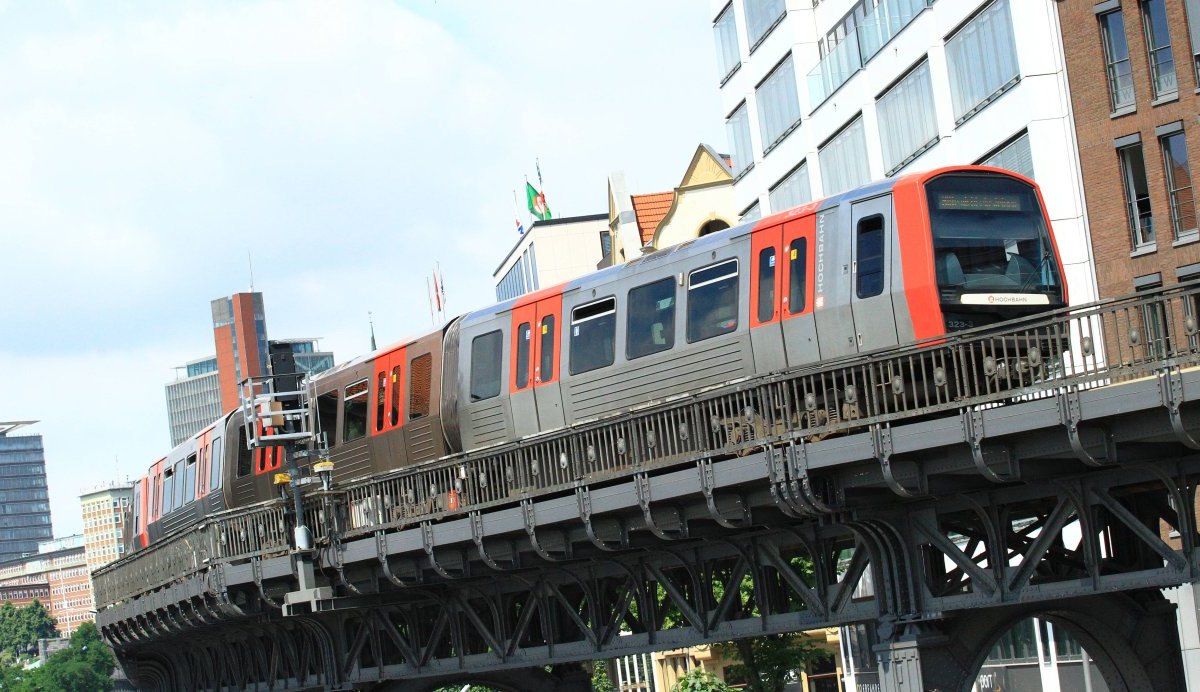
(698, 680)
(86, 665)
(20, 628)
(600, 679)
(764, 663)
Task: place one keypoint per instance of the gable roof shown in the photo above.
(650, 210)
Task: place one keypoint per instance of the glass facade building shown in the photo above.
(24, 500)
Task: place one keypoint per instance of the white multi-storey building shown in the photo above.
(820, 96)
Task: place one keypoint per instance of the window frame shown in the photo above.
(721, 33)
(346, 400)
(1148, 35)
(737, 275)
(1112, 63)
(767, 268)
(773, 91)
(669, 334)
(800, 286)
(1142, 237)
(497, 335)
(572, 336)
(524, 346)
(969, 111)
(881, 257)
(1173, 192)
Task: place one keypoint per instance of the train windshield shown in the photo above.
(990, 236)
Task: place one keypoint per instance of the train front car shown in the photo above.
(993, 252)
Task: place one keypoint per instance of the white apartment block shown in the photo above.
(820, 96)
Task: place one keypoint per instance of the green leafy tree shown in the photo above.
(698, 680)
(765, 662)
(85, 665)
(600, 680)
(20, 628)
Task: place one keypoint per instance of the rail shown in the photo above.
(1037, 357)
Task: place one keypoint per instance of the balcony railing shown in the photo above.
(886, 20)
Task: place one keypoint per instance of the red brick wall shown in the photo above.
(1097, 130)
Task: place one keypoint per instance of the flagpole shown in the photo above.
(429, 297)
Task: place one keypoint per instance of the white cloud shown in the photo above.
(347, 147)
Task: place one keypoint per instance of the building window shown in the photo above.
(793, 190)
(650, 324)
(738, 128)
(593, 331)
(1014, 155)
(712, 301)
(982, 60)
(1193, 21)
(844, 159)
(1179, 184)
(761, 17)
(751, 213)
(1158, 48)
(1137, 195)
(486, 357)
(725, 32)
(778, 104)
(1116, 58)
(907, 121)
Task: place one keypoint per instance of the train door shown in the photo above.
(386, 441)
(521, 377)
(871, 292)
(831, 285)
(547, 355)
(799, 324)
(766, 281)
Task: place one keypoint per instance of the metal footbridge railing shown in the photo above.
(1096, 345)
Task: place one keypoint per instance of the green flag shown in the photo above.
(537, 202)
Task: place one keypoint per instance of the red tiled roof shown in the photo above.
(650, 210)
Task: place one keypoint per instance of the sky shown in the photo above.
(157, 155)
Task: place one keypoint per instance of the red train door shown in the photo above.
(521, 373)
(766, 337)
(797, 278)
(547, 355)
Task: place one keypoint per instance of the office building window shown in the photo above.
(792, 191)
(1013, 155)
(778, 104)
(738, 128)
(907, 121)
(982, 60)
(844, 159)
(1137, 195)
(1179, 184)
(1116, 58)
(751, 213)
(1158, 48)
(761, 17)
(1193, 22)
(725, 33)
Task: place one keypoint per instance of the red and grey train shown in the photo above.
(891, 262)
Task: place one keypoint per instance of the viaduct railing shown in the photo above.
(1038, 357)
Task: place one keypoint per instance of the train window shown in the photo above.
(766, 284)
(189, 479)
(245, 460)
(593, 331)
(327, 406)
(523, 335)
(546, 367)
(180, 484)
(650, 323)
(486, 360)
(380, 400)
(420, 373)
(712, 301)
(214, 466)
(797, 275)
(395, 415)
(137, 507)
(869, 259)
(168, 491)
(354, 409)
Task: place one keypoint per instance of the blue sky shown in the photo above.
(150, 148)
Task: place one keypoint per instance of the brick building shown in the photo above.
(1132, 66)
(58, 570)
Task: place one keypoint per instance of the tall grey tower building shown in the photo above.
(23, 493)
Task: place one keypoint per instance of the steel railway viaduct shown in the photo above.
(1046, 467)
